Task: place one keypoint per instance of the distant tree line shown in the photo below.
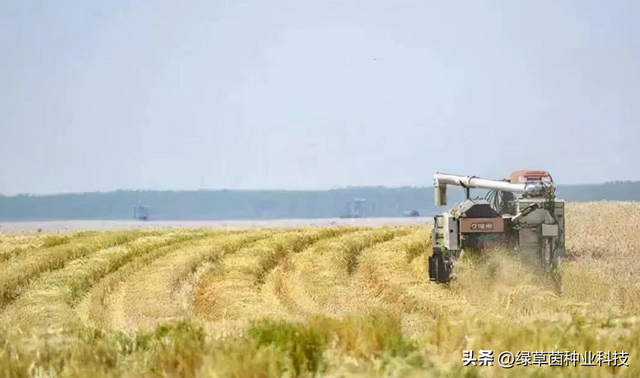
(262, 204)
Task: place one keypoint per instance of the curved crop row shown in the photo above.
(18, 272)
(150, 296)
(233, 290)
(308, 284)
(119, 295)
(394, 276)
(53, 295)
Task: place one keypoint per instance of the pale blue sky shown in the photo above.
(314, 94)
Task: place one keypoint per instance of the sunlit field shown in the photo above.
(336, 301)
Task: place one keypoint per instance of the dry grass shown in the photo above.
(310, 301)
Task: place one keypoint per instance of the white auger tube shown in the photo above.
(442, 180)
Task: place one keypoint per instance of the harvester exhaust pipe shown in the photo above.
(440, 194)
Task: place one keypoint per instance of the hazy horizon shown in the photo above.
(100, 96)
(428, 187)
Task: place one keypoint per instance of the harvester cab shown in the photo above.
(521, 214)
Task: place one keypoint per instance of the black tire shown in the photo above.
(440, 266)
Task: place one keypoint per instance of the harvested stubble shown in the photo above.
(309, 301)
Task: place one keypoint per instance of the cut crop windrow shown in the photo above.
(18, 272)
(311, 278)
(12, 246)
(235, 286)
(53, 295)
(116, 300)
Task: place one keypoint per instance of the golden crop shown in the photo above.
(338, 301)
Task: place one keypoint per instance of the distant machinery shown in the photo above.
(411, 213)
(356, 208)
(140, 212)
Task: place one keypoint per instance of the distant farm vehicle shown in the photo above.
(356, 208)
(141, 213)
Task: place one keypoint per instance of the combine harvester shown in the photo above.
(521, 214)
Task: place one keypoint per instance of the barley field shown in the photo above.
(311, 301)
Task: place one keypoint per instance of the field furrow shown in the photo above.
(48, 301)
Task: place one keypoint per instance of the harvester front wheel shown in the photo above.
(440, 266)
